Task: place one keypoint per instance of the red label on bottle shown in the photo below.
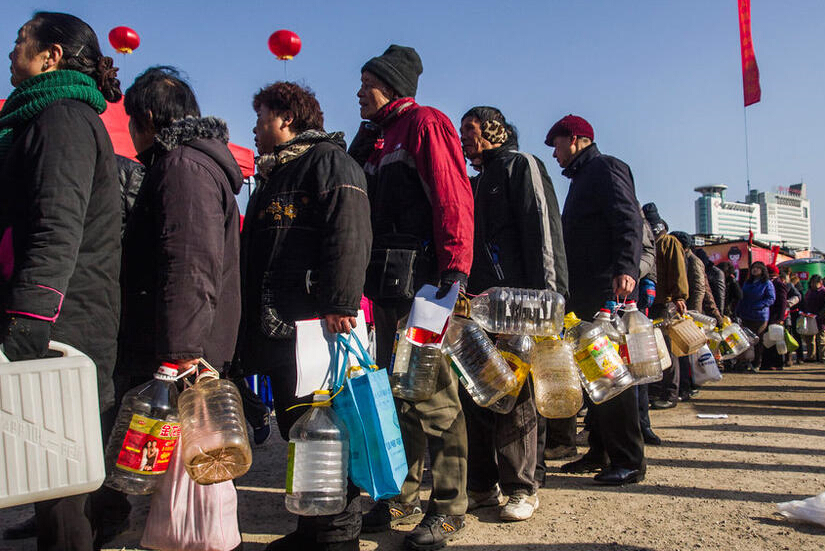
(148, 445)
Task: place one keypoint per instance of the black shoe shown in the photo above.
(650, 437)
(662, 404)
(109, 530)
(24, 530)
(684, 397)
(434, 532)
(386, 514)
(618, 476)
(560, 452)
(261, 433)
(289, 542)
(582, 465)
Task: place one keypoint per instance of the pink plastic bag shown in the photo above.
(186, 516)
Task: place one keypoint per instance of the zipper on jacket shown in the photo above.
(492, 253)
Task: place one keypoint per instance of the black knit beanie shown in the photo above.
(399, 67)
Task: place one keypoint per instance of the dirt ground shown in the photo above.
(713, 484)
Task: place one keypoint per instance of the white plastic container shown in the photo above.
(776, 332)
(51, 445)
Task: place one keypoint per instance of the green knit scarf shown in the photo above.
(35, 93)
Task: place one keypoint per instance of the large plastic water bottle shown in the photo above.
(516, 349)
(601, 370)
(414, 368)
(317, 461)
(513, 311)
(556, 379)
(642, 352)
(145, 434)
(806, 324)
(704, 322)
(734, 341)
(479, 366)
(213, 438)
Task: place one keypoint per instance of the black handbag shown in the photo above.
(399, 265)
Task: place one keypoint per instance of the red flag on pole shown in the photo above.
(750, 71)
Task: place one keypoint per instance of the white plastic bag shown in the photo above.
(186, 516)
(809, 510)
(704, 366)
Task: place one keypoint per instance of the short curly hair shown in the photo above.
(299, 101)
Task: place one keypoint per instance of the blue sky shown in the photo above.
(659, 80)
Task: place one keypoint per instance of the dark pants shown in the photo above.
(63, 524)
(549, 434)
(615, 436)
(254, 408)
(436, 424)
(644, 406)
(501, 448)
(757, 327)
(346, 525)
(685, 375)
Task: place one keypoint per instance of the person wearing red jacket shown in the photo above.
(421, 201)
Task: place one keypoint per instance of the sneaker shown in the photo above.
(434, 532)
(386, 514)
(560, 452)
(261, 434)
(520, 506)
(490, 498)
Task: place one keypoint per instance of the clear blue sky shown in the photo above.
(659, 80)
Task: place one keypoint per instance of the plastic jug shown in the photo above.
(685, 337)
(50, 419)
(642, 351)
(602, 372)
(613, 327)
(145, 434)
(705, 369)
(213, 437)
(556, 379)
(734, 341)
(479, 366)
(516, 349)
(317, 461)
(806, 324)
(661, 347)
(511, 311)
(703, 322)
(414, 368)
(776, 332)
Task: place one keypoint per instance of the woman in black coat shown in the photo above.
(59, 197)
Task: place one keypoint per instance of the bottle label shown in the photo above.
(396, 369)
(731, 340)
(290, 467)
(597, 359)
(422, 337)
(148, 445)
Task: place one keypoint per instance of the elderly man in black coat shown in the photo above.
(603, 238)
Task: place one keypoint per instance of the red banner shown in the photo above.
(750, 71)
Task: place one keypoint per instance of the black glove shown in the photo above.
(26, 338)
(447, 279)
(363, 144)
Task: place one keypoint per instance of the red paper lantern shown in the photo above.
(124, 39)
(284, 44)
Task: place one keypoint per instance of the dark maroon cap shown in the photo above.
(571, 125)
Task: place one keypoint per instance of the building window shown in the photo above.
(804, 212)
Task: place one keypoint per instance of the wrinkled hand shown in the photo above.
(337, 323)
(623, 285)
(681, 307)
(26, 338)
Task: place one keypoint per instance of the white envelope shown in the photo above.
(431, 313)
(314, 347)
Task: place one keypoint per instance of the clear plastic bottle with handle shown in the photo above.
(414, 368)
(479, 366)
(317, 461)
(602, 371)
(213, 438)
(511, 311)
(516, 349)
(145, 434)
(642, 351)
(556, 379)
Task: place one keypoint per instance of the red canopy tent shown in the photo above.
(117, 123)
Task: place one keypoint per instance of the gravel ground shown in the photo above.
(713, 484)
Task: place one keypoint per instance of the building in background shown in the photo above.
(780, 217)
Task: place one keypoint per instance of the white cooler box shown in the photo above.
(50, 441)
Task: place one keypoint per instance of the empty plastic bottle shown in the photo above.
(317, 461)
(516, 350)
(642, 351)
(661, 346)
(144, 435)
(414, 368)
(513, 311)
(702, 321)
(601, 370)
(734, 341)
(806, 324)
(479, 366)
(556, 378)
(213, 438)
(613, 327)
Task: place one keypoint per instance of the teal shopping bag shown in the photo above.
(378, 462)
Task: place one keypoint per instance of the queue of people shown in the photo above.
(183, 283)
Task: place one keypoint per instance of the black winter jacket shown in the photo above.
(602, 228)
(181, 266)
(518, 239)
(309, 213)
(59, 191)
(716, 279)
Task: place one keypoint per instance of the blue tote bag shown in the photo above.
(378, 463)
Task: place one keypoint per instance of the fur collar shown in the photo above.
(294, 149)
(190, 129)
